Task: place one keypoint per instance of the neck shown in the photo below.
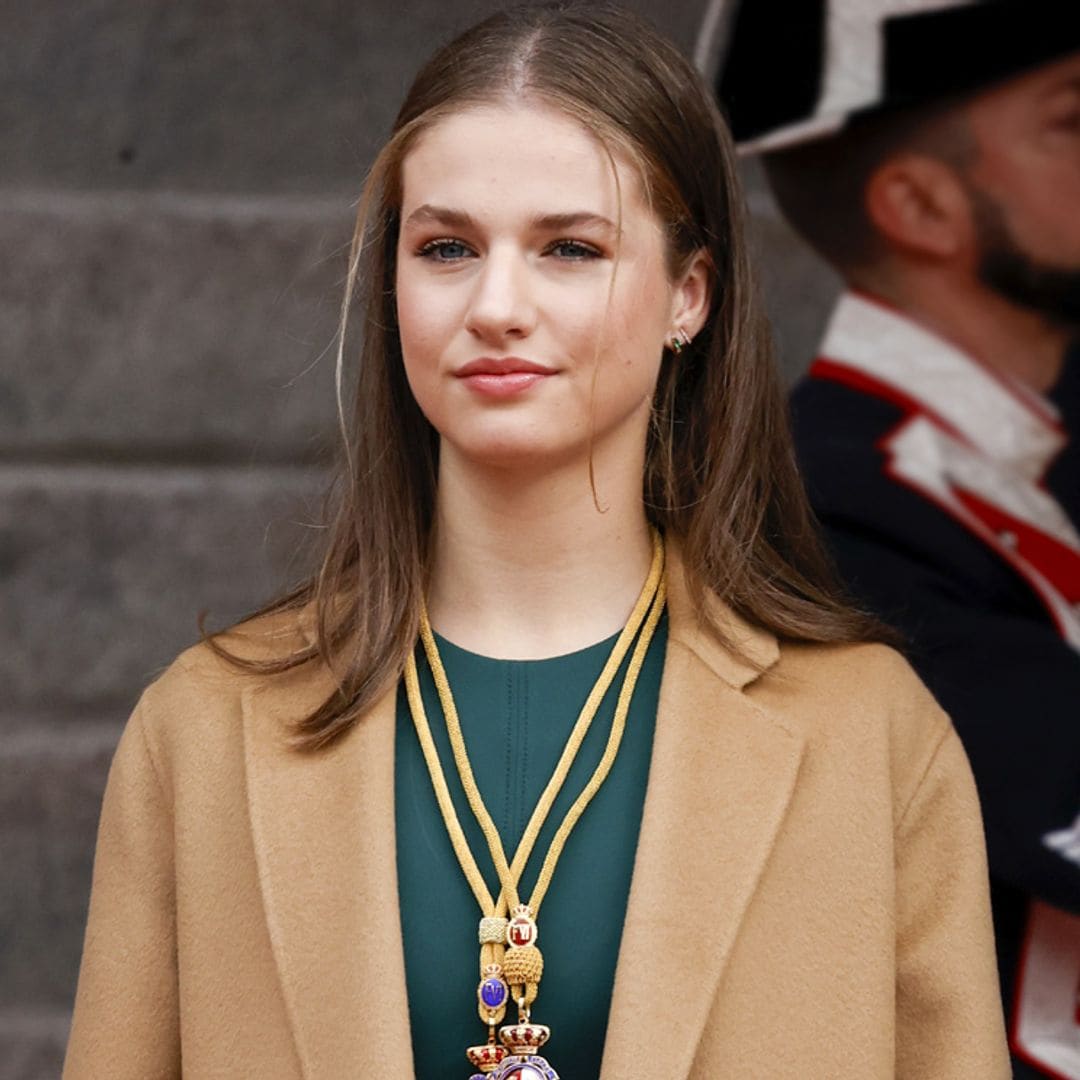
(526, 566)
(1019, 343)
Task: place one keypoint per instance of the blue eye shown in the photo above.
(445, 250)
(574, 250)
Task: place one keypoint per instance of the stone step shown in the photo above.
(105, 569)
(234, 96)
(52, 776)
(168, 325)
(32, 1043)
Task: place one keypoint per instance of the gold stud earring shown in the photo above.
(679, 341)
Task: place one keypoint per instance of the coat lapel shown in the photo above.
(720, 781)
(323, 829)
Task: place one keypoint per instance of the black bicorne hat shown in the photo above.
(789, 71)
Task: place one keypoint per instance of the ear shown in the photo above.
(918, 205)
(691, 294)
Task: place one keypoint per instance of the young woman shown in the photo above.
(568, 743)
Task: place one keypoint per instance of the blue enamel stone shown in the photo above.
(493, 993)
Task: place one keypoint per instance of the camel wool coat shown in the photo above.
(809, 895)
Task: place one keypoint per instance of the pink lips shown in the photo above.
(502, 377)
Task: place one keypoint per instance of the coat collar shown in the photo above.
(999, 416)
(749, 651)
(720, 781)
(323, 831)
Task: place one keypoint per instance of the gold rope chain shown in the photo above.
(644, 617)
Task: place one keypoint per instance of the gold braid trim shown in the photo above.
(528, 969)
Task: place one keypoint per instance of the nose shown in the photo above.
(501, 305)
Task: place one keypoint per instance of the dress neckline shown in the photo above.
(458, 652)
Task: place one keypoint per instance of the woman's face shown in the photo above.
(519, 344)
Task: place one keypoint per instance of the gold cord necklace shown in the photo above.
(510, 962)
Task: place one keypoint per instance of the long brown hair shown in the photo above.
(720, 474)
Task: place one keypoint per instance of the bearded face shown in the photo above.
(1024, 187)
(1050, 289)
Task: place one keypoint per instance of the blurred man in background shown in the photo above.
(930, 151)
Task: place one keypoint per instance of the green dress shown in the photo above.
(516, 716)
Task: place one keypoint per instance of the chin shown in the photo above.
(515, 452)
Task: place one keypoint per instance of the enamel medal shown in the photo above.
(517, 1058)
(523, 1063)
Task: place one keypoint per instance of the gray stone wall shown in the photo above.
(175, 188)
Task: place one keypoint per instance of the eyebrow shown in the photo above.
(573, 220)
(440, 215)
(460, 219)
(1071, 83)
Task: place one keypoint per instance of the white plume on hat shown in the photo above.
(854, 64)
(853, 61)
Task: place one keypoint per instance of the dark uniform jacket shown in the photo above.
(951, 501)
